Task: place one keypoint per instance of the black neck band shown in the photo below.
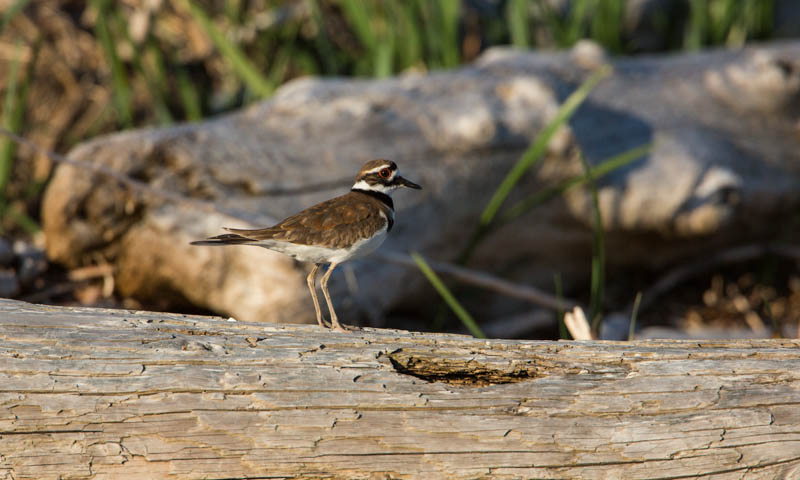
(386, 199)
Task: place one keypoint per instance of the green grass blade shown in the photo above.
(539, 146)
(439, 21)
(595, 287)
(448, 297)
(189, 96)
(280, 64)
(697, 30)
(598, 254)
(530, 157)
(232, 9)
(634, 313)
(747, 20)
(12, 118)
(329, 55)
(431, 35)
(12, 12)
(602, 169)
(408, 31)
(357, 12)
(148, 62)
(569, 29)
(152, 67)
(450, 17)
(22, 219)
(607, 24)
(120, 86)
(384, 59)
(517, 20)
(259, 84)
(721, 13)
(376, 33)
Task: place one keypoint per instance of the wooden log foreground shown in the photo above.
(90, 393)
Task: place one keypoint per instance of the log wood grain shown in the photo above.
(115, 394)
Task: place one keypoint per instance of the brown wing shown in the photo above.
(336, 223)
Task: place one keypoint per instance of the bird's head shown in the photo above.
(381, 176)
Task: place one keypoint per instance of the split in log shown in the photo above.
(90, 393)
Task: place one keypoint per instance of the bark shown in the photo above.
(91, 393)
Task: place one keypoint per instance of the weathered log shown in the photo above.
(90, 393)
(723, 172)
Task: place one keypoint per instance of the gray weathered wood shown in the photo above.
(89, 393)
(723, 172)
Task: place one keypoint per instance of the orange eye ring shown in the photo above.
(385, 173)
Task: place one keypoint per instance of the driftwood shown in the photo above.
(90, 393)
(722, 173)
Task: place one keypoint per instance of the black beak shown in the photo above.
(406, 183)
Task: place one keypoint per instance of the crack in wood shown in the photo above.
(186, 331)
(459, 371)
(47, 432)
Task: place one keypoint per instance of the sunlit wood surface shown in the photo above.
(115, 394)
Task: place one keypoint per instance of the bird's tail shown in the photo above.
(225, 239)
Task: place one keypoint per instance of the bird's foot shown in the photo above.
(338, 326)
(322, 323)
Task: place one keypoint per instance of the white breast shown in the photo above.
(367, 245)
(315, 254)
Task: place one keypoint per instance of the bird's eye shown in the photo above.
(385, 173)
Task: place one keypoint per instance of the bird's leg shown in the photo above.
(311, 279)
(324, 284)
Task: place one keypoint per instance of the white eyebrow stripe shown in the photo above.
(378, 169)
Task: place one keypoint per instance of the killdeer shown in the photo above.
(333, 231)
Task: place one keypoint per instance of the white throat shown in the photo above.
(379, 187)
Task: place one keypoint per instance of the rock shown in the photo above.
(786, 19)
(6, 253)
(716, 177)
(765, 83)
(589, 55)
(615, 326)
(31, 262)
(9, 285)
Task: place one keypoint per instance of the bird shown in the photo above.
(334, 231)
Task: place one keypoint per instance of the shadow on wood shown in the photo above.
(90, 393)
